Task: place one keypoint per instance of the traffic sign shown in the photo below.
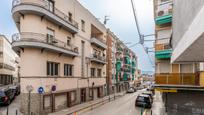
(53, 88)
(40, 90)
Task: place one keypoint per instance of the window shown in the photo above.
(83, 25)
(92, 72)
(50, 5)
(68, 41)
(70, 16)
(50, 35)
(165, 0)
(52, 68)
(1, 54)
(68, 70)
(99, 73)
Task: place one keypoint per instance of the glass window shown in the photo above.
(50, 5)
(68, 70)
(83, 25)
(68, 41)
(50, 35)
(52, 68)
(99, 73)
(92, 72)
(70, 16)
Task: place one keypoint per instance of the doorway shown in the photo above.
(83, 95)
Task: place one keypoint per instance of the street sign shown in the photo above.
(40, 90)
(53, 88)
(29, 88)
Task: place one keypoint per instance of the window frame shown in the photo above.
(51, 69)
(83, 25)
(68, 70)
(93, 72)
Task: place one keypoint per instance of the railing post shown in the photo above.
(167, 79)
(182, 79)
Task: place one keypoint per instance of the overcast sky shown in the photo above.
(121, 22)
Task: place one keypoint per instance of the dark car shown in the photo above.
(6, 95)
(150, 94)
(16, 88)
(131, 90)
(143, 101)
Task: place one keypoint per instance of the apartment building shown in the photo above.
(8, 62)
(179, 82)
(62, 47)
(122, 64)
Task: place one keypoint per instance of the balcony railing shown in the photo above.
(99, 42)
(44, 4)
(98, 58)
(176, 79)
(41, 38)
(160, 47)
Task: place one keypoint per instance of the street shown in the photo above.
(122, 106)
(13, 107)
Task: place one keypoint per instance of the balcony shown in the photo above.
(98, 59)
(163, 51)
(41, 8)
(126, 76)
(37, 40)
(164, 13)
(177, 80)
(98, 42)
(119, 50)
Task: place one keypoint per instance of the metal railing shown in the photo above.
(98, 57)
(37, 37)
(160, 47)
(44, 4)
(99, 39)
(177, 79)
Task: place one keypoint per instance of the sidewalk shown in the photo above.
(88, 105)
(158, 106)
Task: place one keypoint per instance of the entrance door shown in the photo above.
(83, 95)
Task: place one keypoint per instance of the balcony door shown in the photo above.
(50, 5)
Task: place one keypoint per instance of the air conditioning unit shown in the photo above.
(164, 9)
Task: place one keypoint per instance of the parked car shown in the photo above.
(139, 88)
(135, 89)
(16, 88)
(150, 94)
(131, 90)
(143, 101)
(6, 95)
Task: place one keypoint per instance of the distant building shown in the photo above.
(8, 62)
(122, 64)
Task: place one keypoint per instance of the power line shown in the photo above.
(135, 17)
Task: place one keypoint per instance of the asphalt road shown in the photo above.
(122, 106)
(13, 107)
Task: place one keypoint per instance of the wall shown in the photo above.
(184, 12)
(184, 103)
